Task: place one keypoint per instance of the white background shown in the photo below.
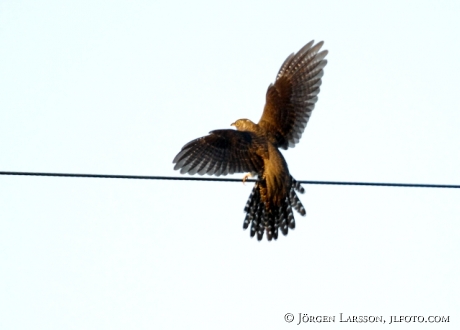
(119, 87)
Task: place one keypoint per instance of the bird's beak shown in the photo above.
(232, 124)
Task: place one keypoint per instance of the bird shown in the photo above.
(255, 148)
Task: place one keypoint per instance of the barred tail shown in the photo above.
(271, 219)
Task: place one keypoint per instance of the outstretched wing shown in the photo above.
(222, 152)
(290, 101)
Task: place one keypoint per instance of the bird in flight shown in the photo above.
(254, 148)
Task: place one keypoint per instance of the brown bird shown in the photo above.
(254, 147)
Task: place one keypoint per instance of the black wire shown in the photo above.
(186, 178)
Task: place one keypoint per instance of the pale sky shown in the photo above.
(119, 87)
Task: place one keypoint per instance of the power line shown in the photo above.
(186, 178)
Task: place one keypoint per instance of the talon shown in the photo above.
(246, 177)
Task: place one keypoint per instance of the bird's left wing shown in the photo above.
(222, 152)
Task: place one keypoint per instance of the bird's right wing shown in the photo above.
(222, 152)
(290, 101)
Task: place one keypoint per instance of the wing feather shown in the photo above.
(291, 100)
(221, 152)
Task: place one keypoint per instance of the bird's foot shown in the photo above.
(246, 176)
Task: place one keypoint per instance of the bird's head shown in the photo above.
(244, 125)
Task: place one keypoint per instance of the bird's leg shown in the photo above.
(246, 176)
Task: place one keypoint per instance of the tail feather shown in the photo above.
(296, 203)
(251, 207)
(271, 219)
(296, 186)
